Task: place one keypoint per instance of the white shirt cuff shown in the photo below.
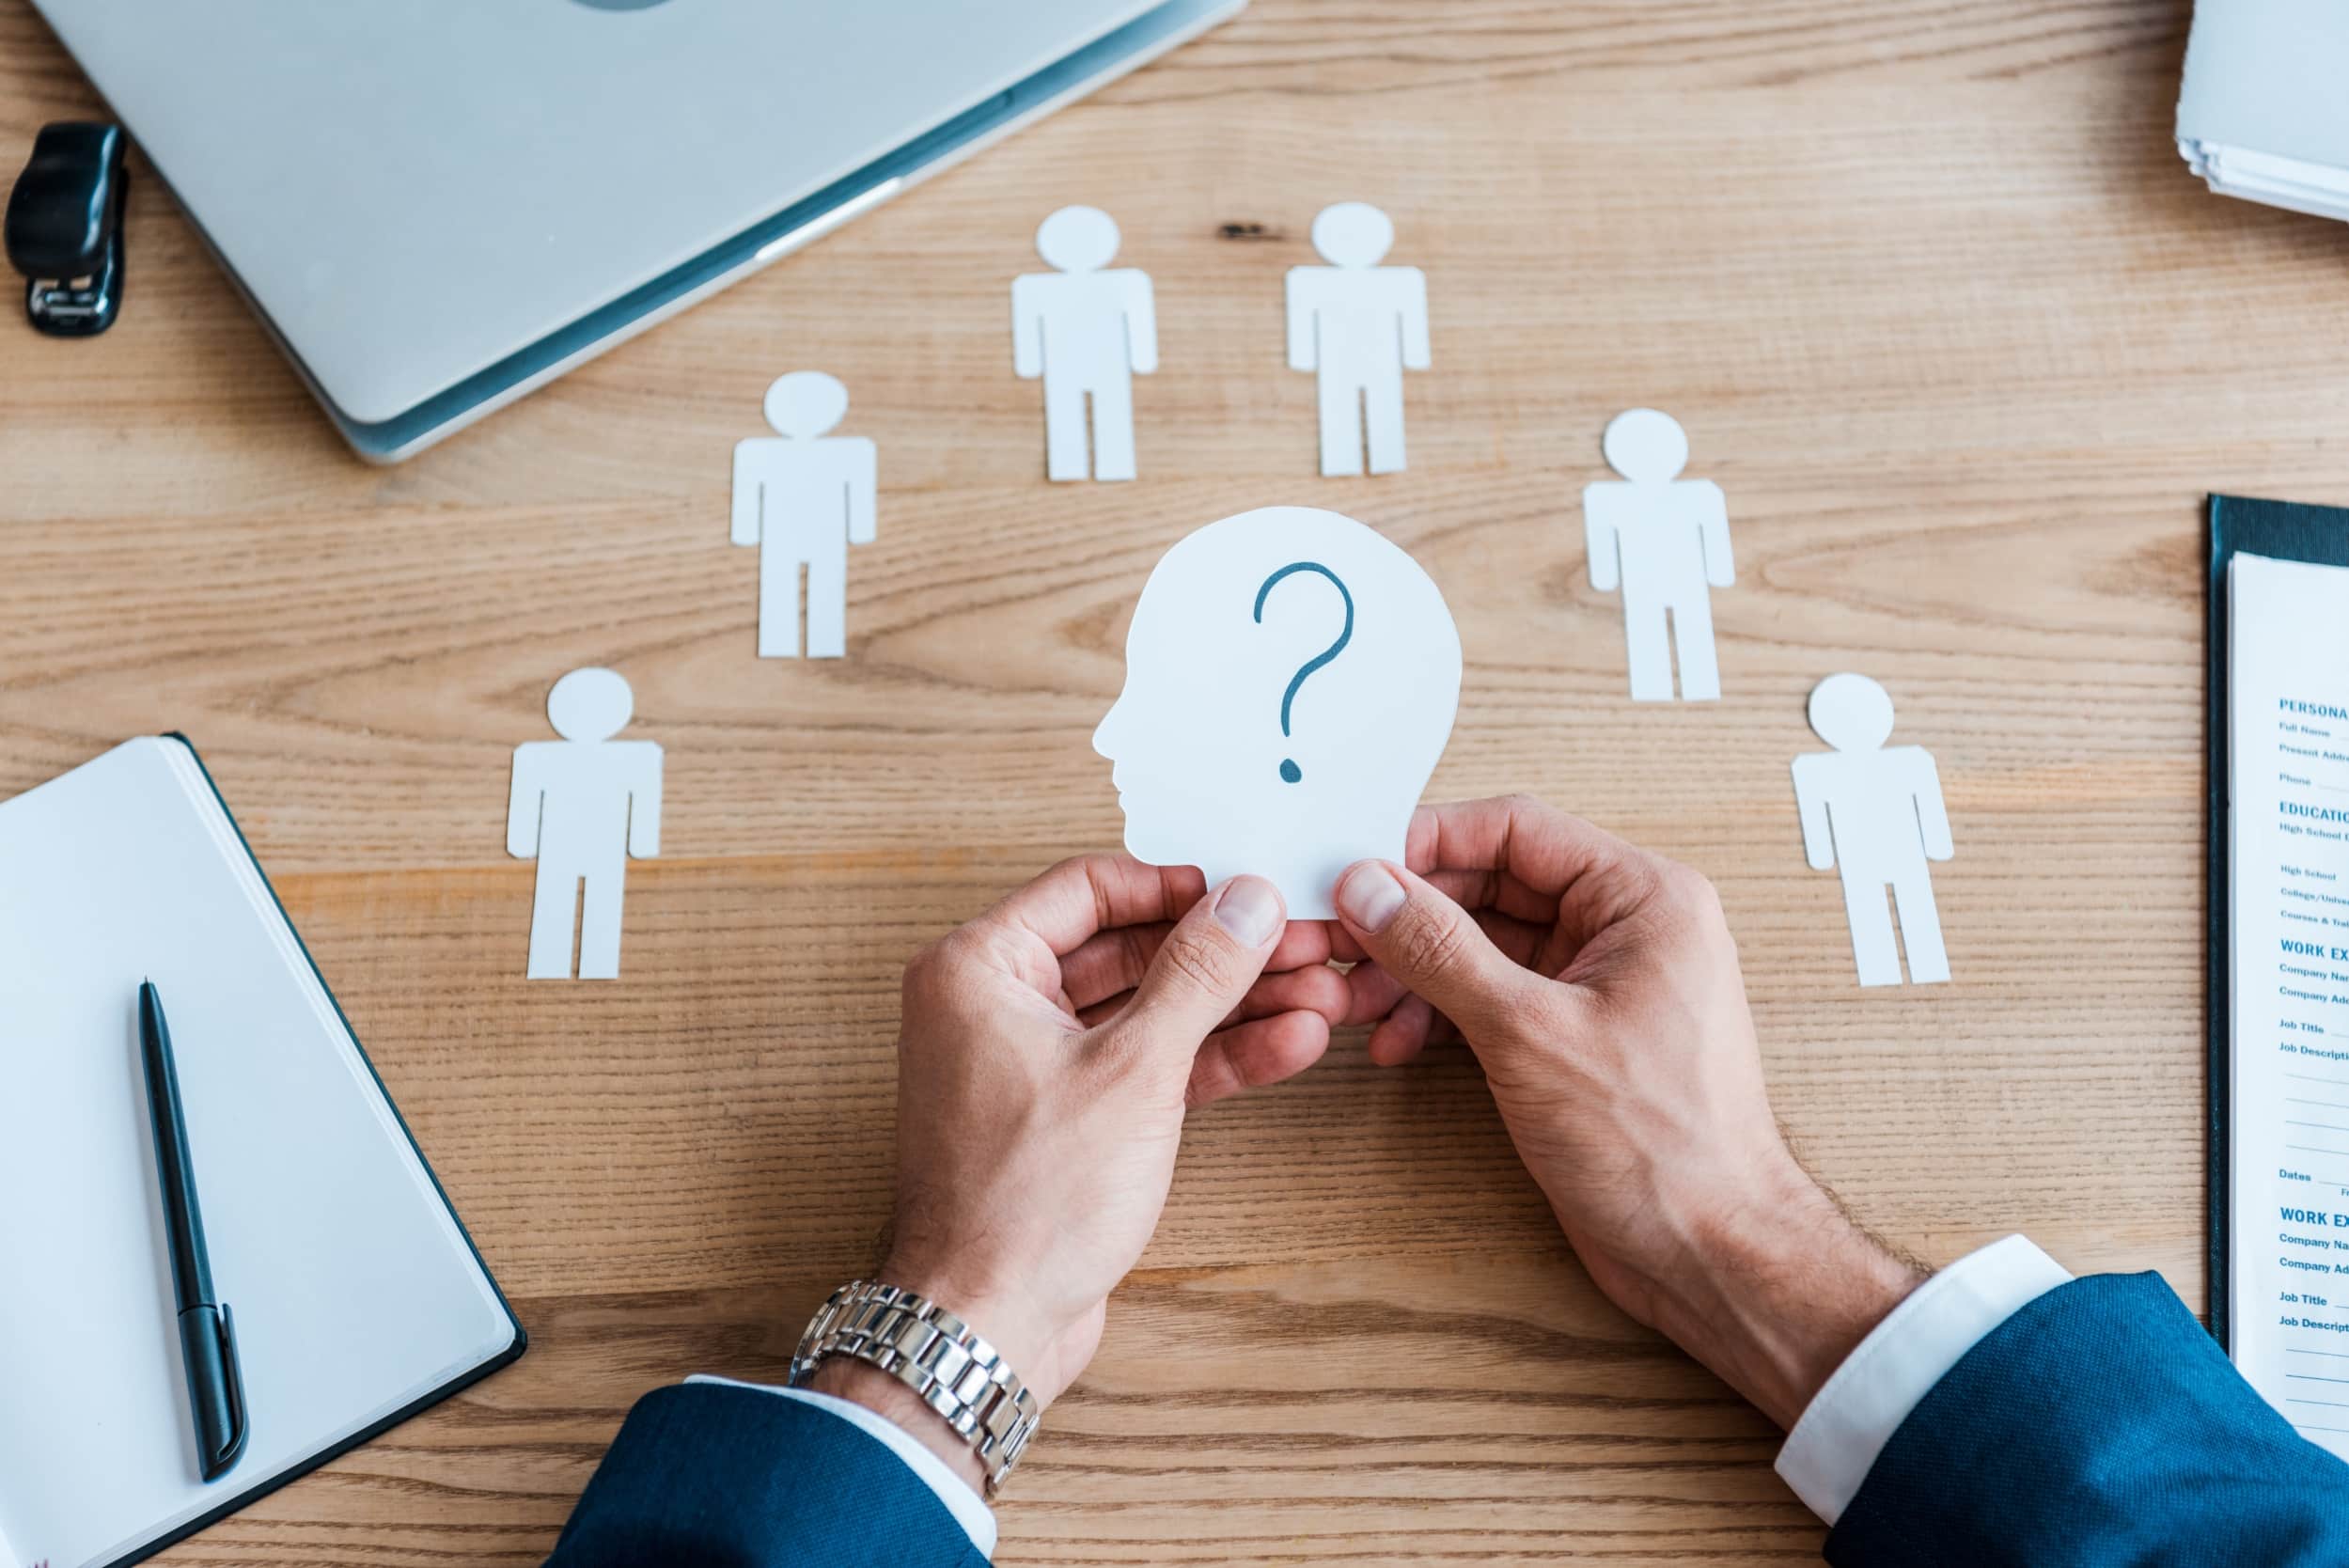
(1834, 1444)
(969, 1510)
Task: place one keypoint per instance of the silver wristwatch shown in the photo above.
(934, 1353)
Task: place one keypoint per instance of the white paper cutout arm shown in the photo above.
(522, 808)
(1932, 813)
(1599, 541)
(1810, 799)
(1290, 681)
(644, 803)
(1304, 331)
(1141, 323)
(863, 490)
(1027, 326)
(1713, 534)
(749, 493)
(1417, 352)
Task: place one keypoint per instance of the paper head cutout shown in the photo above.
(590, 705)
(1290, 681)
(1078, 238)
(805, 404)
(1646, 446)
(1851, 713)
(1353, 234)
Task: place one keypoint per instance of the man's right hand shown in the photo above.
(1599, 987)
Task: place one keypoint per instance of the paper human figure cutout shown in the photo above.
(1874, 812)
(803, 497)
(1360, 325)
(582, 806)
(1664, 540)
(1290, 679)
(1088, 333)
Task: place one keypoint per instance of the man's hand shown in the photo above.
(1047, 1053)
(1599, 987)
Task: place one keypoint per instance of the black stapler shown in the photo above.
(65, 228)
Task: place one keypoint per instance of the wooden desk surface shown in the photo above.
(1941, 310)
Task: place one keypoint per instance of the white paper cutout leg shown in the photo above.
(1691, 641)
(1875, 814)
(1113, 429)
(1341, 426)
(599, 920)
(1382, 402)
(552, 906)
(1290, 681)
(806, 496)
(1066, 442)
(1358, 326)
(827, 598)
(582, 806)
(1083, 329)
(1921, 927)
(1647, 640)
(1670, 536)
(778, 600)
(1871, 919)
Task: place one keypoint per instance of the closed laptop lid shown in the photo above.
(412, 189)
(2265, 76)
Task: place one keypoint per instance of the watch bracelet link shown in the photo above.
(929, 1350)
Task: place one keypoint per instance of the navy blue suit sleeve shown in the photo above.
(2099, 1427)
(705, 1476)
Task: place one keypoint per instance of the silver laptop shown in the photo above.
(438, 205)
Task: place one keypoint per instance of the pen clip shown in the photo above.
(232, 1379)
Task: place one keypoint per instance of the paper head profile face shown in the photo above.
(1290, 681)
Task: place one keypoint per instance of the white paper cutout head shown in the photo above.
(1851, 713)
(1078, 238)
(590, 705)
(1353, 234)
(1290, 681)
(1646, 446)
(805, 404)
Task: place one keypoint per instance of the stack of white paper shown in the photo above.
(2263, 113)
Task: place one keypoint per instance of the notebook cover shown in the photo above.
(2282, 530)
(504, 1359)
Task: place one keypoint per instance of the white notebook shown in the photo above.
(358, 1297)
(2288, 916)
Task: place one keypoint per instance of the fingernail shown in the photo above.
(1369, 896)
(1249, 908)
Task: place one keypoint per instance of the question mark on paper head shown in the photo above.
(1290, 772)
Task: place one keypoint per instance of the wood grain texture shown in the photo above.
(1941, 310)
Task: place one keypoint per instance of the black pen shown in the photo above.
(207, 1335)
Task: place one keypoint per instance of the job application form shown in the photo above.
(2288, 1272)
